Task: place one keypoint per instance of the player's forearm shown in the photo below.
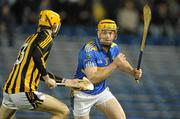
(56, 78)
(102, 74)
(127, 68)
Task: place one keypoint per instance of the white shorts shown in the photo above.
(83, 102)
(22, 100)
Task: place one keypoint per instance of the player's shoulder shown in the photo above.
(43, 33)
(90, 46)
(43, 37)
(114, 45)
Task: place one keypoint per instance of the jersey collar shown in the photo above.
(98, 44)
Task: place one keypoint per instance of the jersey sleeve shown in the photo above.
(40, 49)
(88, 59)
(39, 61)
(117, 50)
(114, 51)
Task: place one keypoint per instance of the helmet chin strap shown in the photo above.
(53, 34)
(106, 45)
(49, 21)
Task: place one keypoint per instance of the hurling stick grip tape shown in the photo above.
(139, 63)
(139, 60)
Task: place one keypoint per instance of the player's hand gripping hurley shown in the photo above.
(78, 84)
(147, 19)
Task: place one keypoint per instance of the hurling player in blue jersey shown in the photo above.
(97, 60)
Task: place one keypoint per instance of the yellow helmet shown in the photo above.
(107, 24)
(49, 18)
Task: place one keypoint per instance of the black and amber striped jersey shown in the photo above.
(30, 64)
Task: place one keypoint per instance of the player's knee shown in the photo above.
(63, 111)
(66, 111)
(7, 115)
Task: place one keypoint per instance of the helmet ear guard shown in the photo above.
(107, 24)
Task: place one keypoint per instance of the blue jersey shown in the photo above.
(93, 55)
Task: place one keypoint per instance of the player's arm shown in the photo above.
(39, 61)
(39, 50)
(40, 64)
(96, 76)
(77, 84)
(92, 71)
(37, 54)
(126, 67)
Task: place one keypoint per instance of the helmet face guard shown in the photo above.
(107, 24)
(51, 19)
